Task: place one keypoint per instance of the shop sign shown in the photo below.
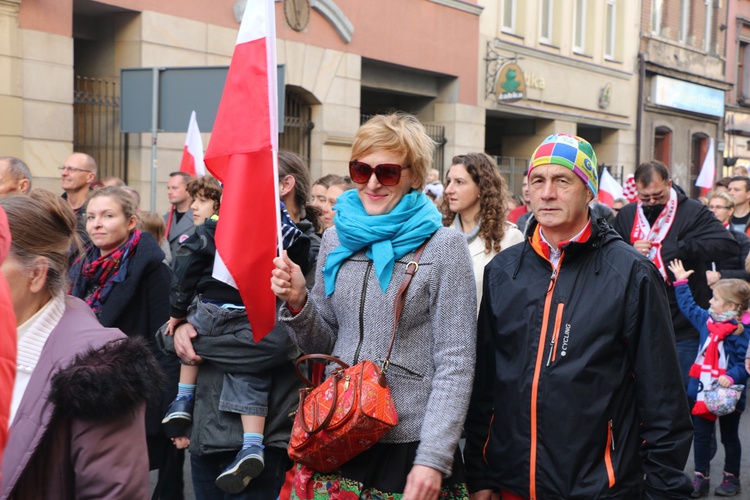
(511, 86)
(687, 96)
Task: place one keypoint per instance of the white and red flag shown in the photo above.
(707, 174)
(609, 188)
(630, 190)
(242, 156)
(192, 155)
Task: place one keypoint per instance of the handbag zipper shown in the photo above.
(362, 313)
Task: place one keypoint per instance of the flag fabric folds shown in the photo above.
(242, 156)
(707, 174)
(192, 155)
(609, 188)
(630, 190)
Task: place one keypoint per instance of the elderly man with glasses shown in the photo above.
(664, 224)
(722, 205)
(76, 175)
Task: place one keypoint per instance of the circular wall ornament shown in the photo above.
(297, 13)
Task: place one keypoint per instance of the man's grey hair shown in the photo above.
(17, 169)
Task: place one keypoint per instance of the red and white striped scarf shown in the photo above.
(642, 230)
(711, 363)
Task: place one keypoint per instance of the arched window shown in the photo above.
(663, 145)
(298, 124)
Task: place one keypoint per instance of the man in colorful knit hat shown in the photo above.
(576, 363)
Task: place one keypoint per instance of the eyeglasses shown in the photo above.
(66, 168)
(717, 207)
(388, 174)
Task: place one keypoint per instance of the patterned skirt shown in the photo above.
(378, 473)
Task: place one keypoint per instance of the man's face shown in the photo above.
(177, 190)
(8, 184)
(75, 173)
(559, 200)
(654, 193)
(738, 191)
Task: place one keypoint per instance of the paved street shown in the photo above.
(717, 464)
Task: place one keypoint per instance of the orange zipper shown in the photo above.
(535, 381)
(487, 442)
(608, 455)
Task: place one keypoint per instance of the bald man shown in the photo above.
(77, 174)
(15, 176)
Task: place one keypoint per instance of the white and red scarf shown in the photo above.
(642, 230)
(711, 363)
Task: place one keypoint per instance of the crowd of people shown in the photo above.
(573, 345)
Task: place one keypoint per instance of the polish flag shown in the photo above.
(242, 156)
(707, 174)
(609, 188)
(192, 155)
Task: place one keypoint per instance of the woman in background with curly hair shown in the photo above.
(475, 202)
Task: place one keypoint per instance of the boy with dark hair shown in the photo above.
(218, 310)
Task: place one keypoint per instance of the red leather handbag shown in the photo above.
(351, 410)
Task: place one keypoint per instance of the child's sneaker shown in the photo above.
(701, 485)
(729, 487)
(180, 412)
(248, 464)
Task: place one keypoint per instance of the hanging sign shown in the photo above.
(511, 86)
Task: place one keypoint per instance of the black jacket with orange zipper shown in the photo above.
(578, 392)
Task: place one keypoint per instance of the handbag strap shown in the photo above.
(398, 306)
(398, 303)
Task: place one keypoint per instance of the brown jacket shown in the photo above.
(79, 431)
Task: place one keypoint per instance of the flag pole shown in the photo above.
(277, 197)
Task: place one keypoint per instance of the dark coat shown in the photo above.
(138, 306)
(576, 369)
(734, 267)
(696, 237)
(79, 430)
(179, 231)
(218, 431)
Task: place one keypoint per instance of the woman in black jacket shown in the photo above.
(122, 277)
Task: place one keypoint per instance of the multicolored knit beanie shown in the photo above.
(570, 152)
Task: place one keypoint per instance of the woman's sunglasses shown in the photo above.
(388, 174)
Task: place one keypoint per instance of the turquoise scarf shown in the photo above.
(386, 237)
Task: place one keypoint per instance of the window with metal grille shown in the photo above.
(298, 125)
(96, 125)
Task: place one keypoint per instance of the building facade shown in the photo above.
(683, 83)
(737, 116)
(559, 66)
(343, 60)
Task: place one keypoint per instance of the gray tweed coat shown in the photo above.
(432, 363)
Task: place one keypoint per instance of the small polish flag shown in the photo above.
(609, 188)
(192, 155)
(706, 176)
